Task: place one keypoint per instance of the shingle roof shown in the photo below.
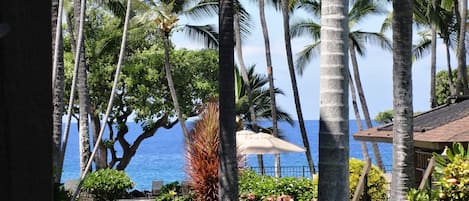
(444, 124)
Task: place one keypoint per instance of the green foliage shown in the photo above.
(384, 117)
(171, 192)
(452, 173)
(262, 186)
(442, 88)
(377, 188)
(418, 195)
(107, 184)
(60, 194)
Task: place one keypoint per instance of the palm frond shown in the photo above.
(206, 33)
(374, 38)
(204, 8)
(364, 8)
(306, 55)
(387, 23)
(422, 48)
(311, 6)
(305, 28)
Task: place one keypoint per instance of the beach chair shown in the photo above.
(156, 187)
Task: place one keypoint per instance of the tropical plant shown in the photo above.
(333, 126)
(107, 184)
(452, 173)
(202, 155)
(228, 166)
(384, 117)
(261, 99)
(403, 172)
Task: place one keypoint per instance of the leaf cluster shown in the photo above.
(107, 184)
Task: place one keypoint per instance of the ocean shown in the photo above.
(161, 157)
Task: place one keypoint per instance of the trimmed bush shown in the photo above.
(259, 187)
(107, 184)
(377, 188)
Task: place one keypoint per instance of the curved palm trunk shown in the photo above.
(461, 13)
(291, 68)
(244, 75)
(333, 119)
(169, 77)
(364, 105)
(82, 88)
(271, 89)
(58, 93)
(450, 73)
(403, 170)
(358, 119)
(228, 174)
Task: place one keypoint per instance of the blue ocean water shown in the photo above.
(161, 157)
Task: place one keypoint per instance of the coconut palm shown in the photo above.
(79, 8)
(403, 172)
(286, 6)
(333, 119)
(261, 99)
(442, 23)
(166, 15)
(228, 180)
(57, 89)
(357, 40)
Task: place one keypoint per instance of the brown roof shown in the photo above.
(433, 129)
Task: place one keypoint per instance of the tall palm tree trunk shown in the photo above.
(403, 171)
(228, 167)
(291, 68)
(333, 108)
(304, 137)
(244, 75)
(461, 83)
(450, 73)
(361, 96)
(172, 89)
(433, 102)
(82, 88)
(58, 92)
(358, 119)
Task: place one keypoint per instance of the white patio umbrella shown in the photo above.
(250, 142)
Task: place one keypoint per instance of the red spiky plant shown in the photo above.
(202, 155)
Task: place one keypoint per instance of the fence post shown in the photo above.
(361, 186)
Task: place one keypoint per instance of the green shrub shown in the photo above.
(262, 186)
(107, 184)
(452, 174)
(377, 188)
(171, 192)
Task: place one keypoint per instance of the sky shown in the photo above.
(375, 67)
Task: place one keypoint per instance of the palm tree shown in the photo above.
(333, 119)
(57, 89)
(167, 16)
(357, 39)
(228, 180)
(82, 86)
(285, 6)
(403, 172)
(460, 8)
(260, 97)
